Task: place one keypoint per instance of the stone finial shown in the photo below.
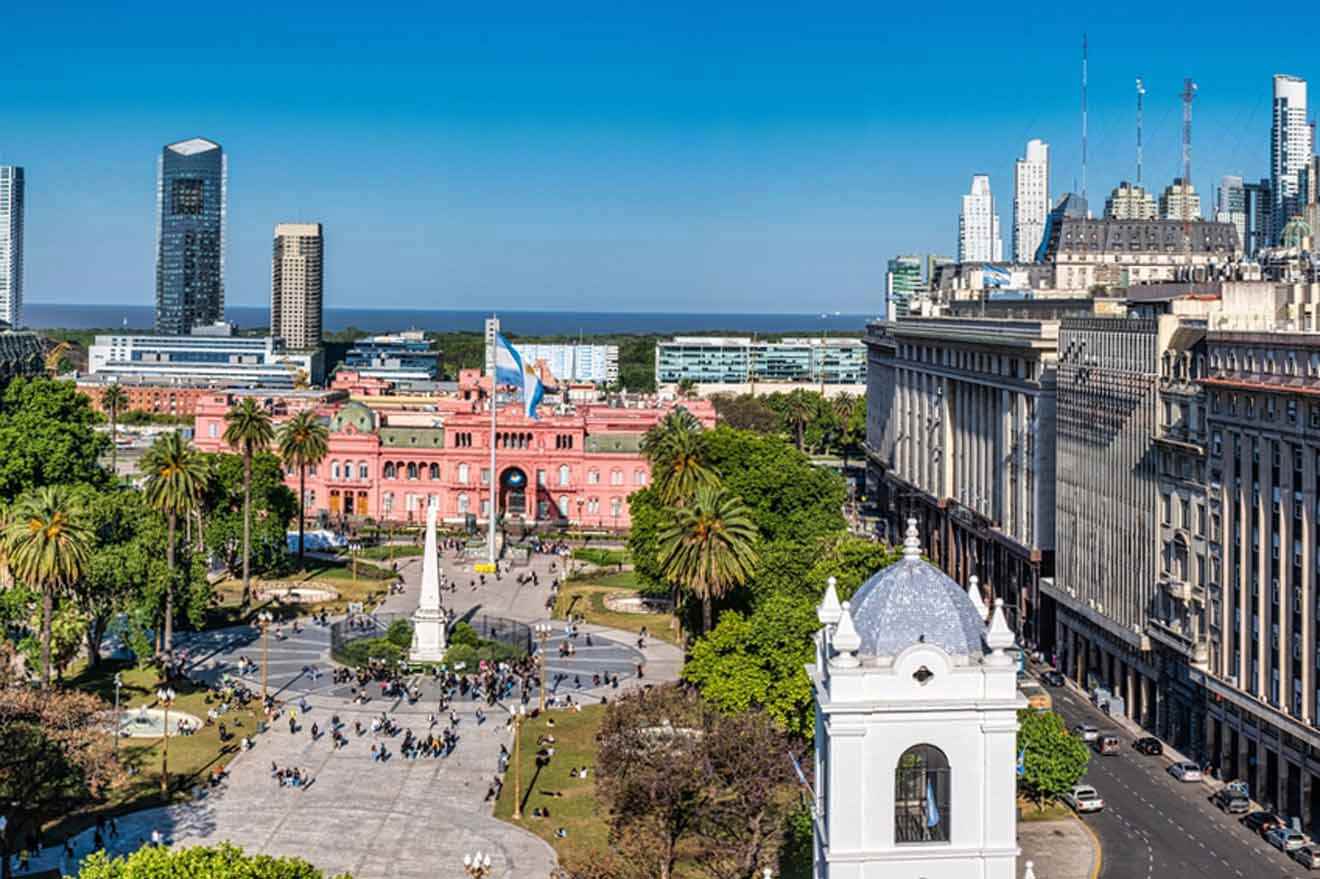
(998, 636)
(845, 641)
(829, 610)
(912, 541)
(974, 593)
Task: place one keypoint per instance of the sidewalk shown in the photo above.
(1064, 849)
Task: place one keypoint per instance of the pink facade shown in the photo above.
(390, 455)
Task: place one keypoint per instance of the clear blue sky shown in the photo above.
(603, 156)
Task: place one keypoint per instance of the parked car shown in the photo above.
(1106, 743)
(1185, 770)
(1308, 856)
(1086, 732)
(1285, 839)
(1261, 822)
(1052, 678)
(1231, 801)
(1149, 745)
(1084, 798)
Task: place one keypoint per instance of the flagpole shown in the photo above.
(495, 321)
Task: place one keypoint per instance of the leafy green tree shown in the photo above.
(48, 436)
(846, 409)
(49, 545)
(1052, 760)
(709, 547)
(224, 861)
(68, 629)
(799, 412)
(248, 429)
(746, 412)
(125, 543)
(304, 441)
(273, 508)
(176, 475)
(114, 400)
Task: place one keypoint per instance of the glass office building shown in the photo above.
(739, 360)
(190, 228)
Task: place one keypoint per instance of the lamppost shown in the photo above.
(477, 866)
(519, 715)
(542, 631)
(165, 696)
(119, 719)
(264, 620)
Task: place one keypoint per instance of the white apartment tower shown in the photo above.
(1290, 147)
(978, 225)
(296, 285)
(11, 244)
(1031, 200)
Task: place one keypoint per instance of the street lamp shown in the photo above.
(542, 631)
(519, 715)
(354, 548)
(165, 696)
(264, 620)
(119, 719)
(477, 866)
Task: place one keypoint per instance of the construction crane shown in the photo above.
(54, 356)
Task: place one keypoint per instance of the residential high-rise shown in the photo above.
(1130, 201)
(1260, 217)
(1231, 205)
(1031, 200)
(296, 284)
(190, 235)
(902, 281)
(1290, 148)
(1180, 202)
(978, 225)
(11, 244)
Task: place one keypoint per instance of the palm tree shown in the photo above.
(304, 441)
(709, 547)
(48, 542)
(248, 428)
(676, 451)
(845, 407)
(176, 477)
(798, 414)
(678, 420)
(113, 399)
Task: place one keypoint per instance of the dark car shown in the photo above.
(1231, 801)
(1149, 745)
(1261, 822)
(1052, 678)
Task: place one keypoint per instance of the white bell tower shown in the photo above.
(916, 730)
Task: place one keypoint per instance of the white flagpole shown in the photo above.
(493, 495)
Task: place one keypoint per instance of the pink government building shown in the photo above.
(390, 455)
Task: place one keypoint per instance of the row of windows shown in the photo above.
(413, 470)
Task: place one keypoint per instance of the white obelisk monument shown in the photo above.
(429, 635)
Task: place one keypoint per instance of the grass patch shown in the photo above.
(603, 557)
(1053, 811)
(588, 600)
(370, 586)
(387, 553)
(191, 758)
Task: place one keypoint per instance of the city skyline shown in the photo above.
(550, 162)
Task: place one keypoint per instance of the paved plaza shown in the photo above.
(401, 818)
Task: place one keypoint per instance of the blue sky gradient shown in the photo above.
(649, 157)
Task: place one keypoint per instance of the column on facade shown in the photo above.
(1147, 702)
(1129, 692)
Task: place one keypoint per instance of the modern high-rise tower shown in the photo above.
(190, 236)
(11, 244)
(902, 281)
(1231, 206)
(978, 225)
(296, 284)
(1031, 200)
(1290, 148)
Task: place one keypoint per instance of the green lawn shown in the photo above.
(370, 585)
(587, 598)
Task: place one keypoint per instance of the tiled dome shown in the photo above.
(913, 601)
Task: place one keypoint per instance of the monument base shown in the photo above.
(429, 636)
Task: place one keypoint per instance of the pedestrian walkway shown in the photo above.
(1064, 849)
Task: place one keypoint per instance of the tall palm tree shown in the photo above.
(798, 414)
(248, 428)
(845, 407)
(676, 451)
(176, 476)
(49, 544)
(304, 442)
(709, 547)
(113, 400)
(677, 421)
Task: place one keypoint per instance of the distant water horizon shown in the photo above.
(47, 316)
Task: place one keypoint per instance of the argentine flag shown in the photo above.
(511, 371)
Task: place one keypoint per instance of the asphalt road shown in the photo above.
(1156, 826)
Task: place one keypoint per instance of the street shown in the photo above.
(1154, 825)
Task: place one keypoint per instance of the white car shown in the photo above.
(1084, 798)
(1185, 770)
(1285, 839)
(1087, 732)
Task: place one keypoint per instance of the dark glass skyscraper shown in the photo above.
(190, 242)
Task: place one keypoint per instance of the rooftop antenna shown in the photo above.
(1189, 92)
(1083, 115)
(1141, 93)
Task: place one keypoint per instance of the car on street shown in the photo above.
(1052, 678)
(1086, 732)
(1285, 839)
(1308, 856)
(1185, 770)
(1106, 744)
(1231, 801)
(1149, 745)
(1261, 822)
(1084, 798)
